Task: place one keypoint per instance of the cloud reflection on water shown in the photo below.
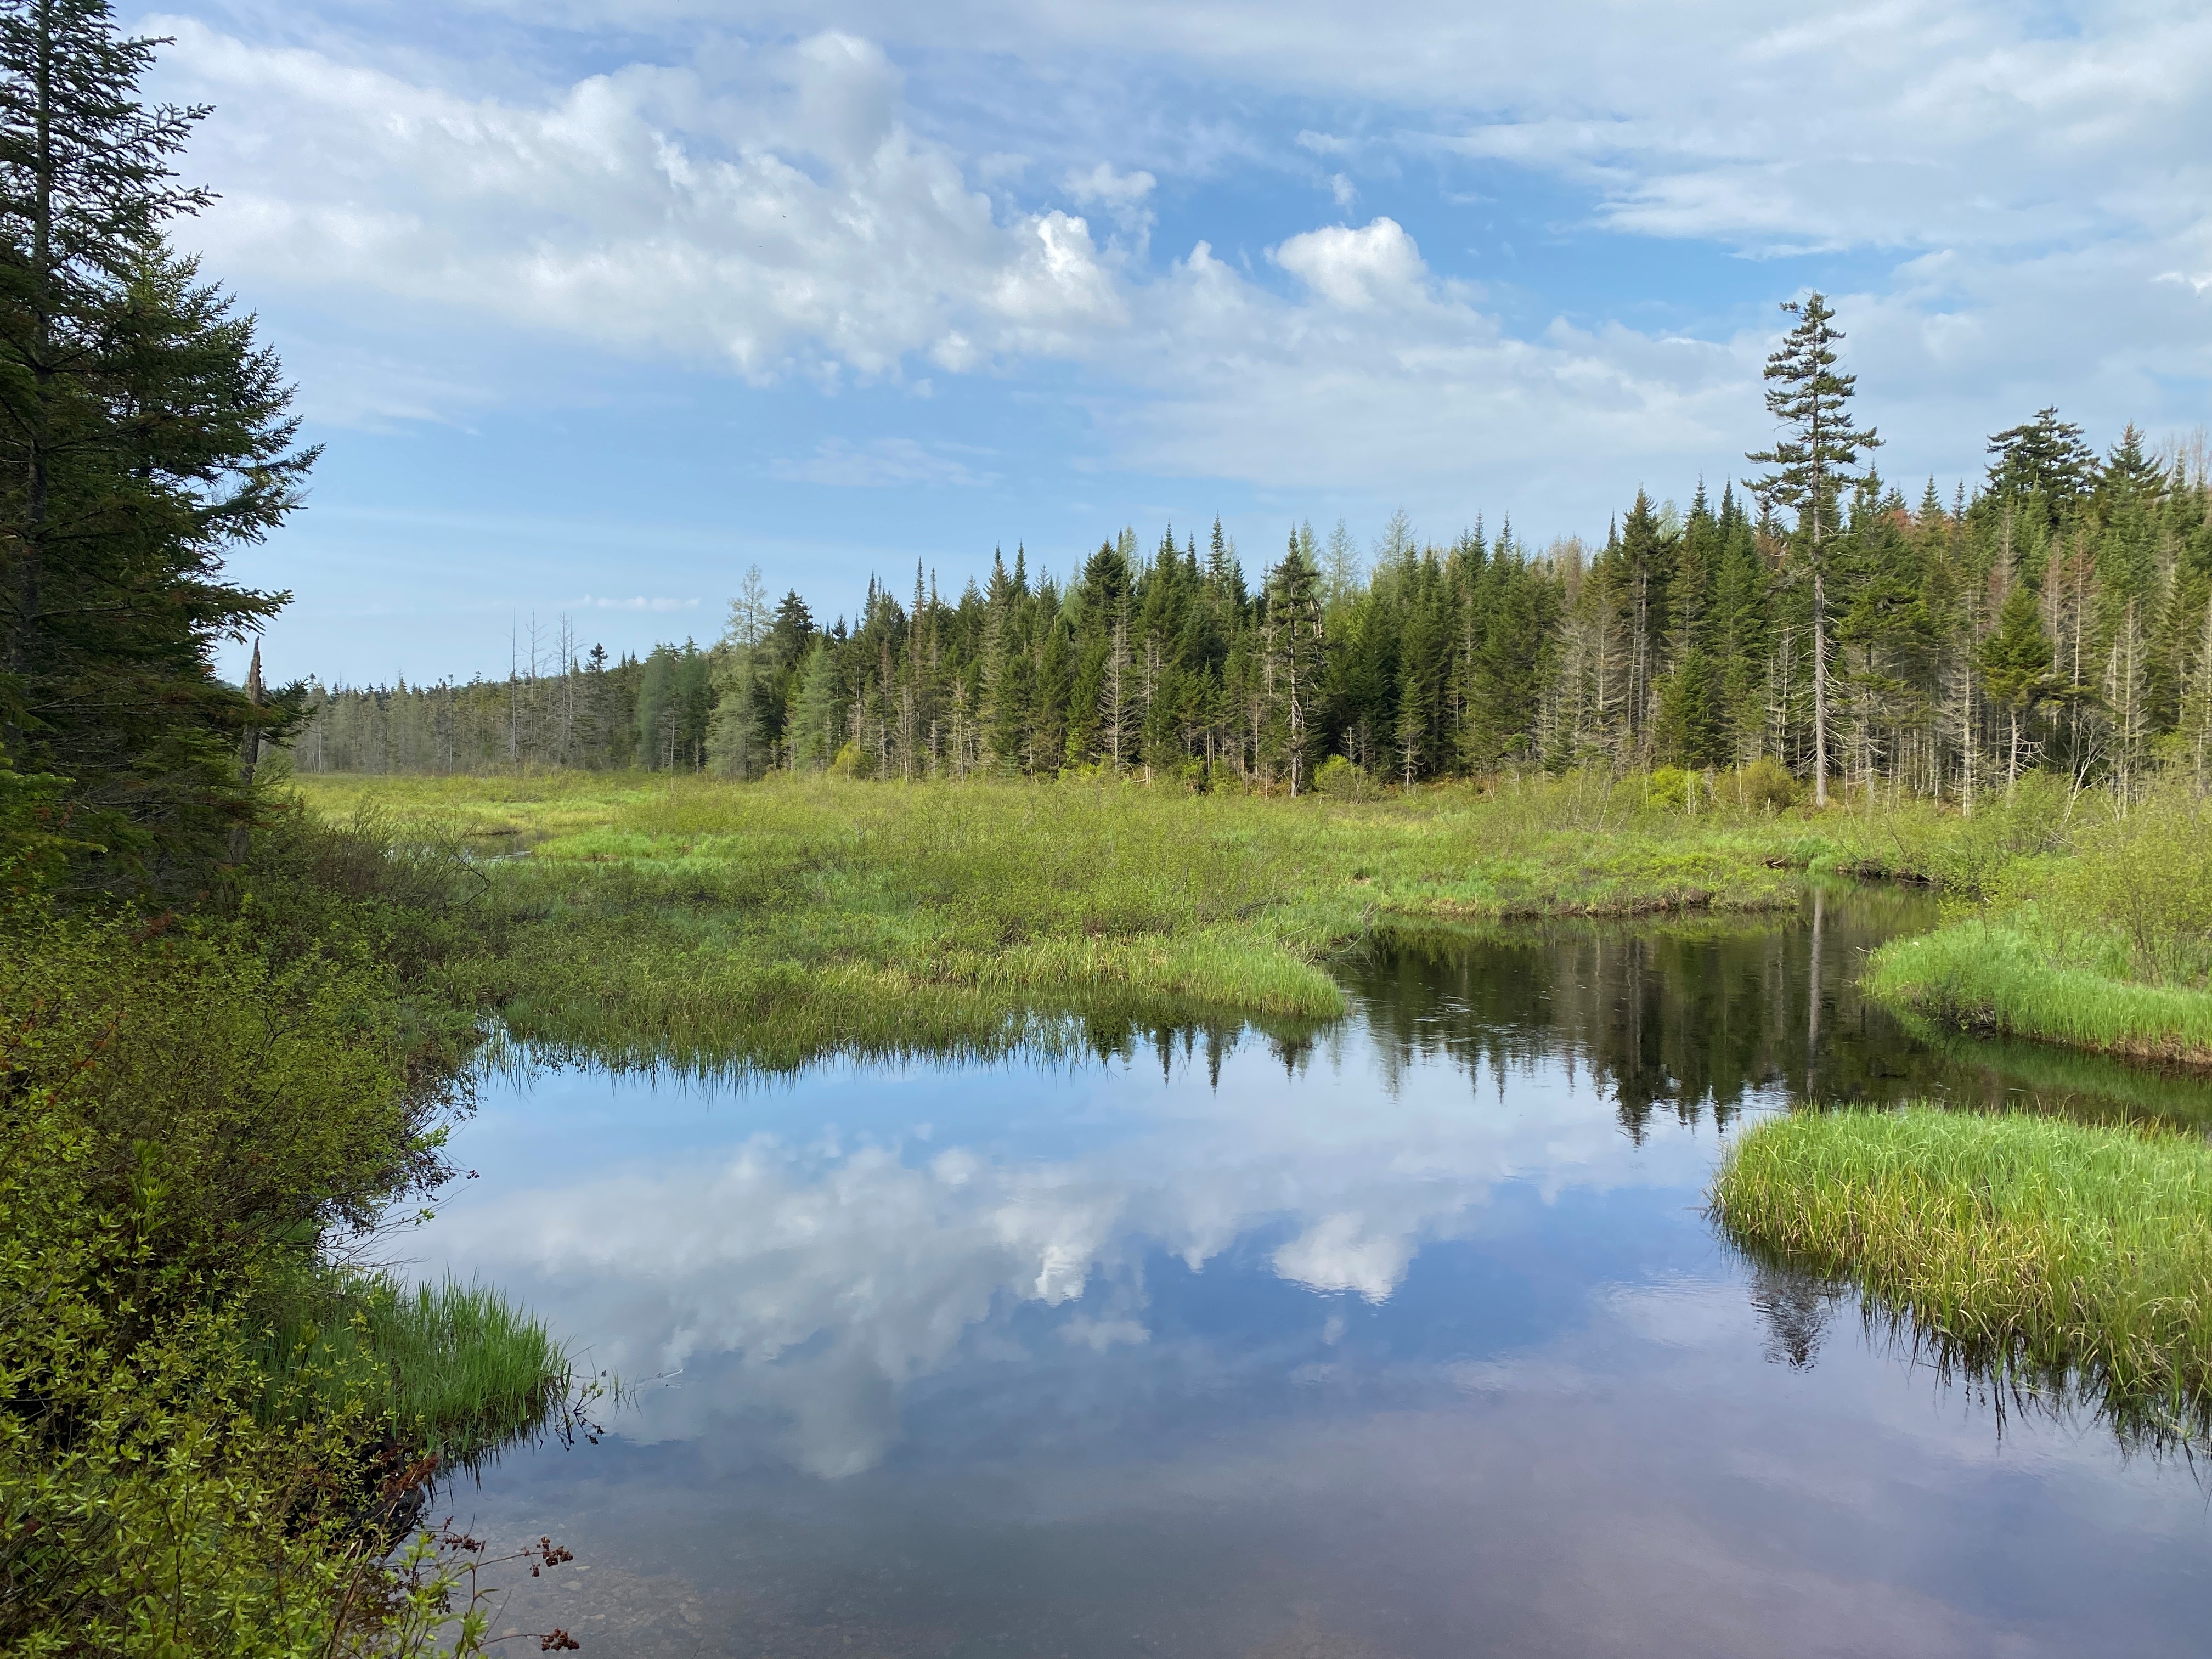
(805, 1276)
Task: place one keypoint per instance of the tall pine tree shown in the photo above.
(1812, 459)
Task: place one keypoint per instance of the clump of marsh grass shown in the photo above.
(1986, 976)
(453, 1370)
(2022, 1247)
(2098, 938)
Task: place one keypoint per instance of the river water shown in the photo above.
(1406, 1338)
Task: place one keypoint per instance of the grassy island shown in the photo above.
(2028, 1247)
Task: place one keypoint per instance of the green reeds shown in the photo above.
(2027, 1248)
(456, 1370)
(1976, 976)
(709, 923)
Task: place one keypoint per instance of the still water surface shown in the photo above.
(1407, 1339)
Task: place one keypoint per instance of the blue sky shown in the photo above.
(594, 306)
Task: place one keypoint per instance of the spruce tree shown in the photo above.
(2015, 665)
(1293, 641)
(815, 707)
(143, 433)
(2042, 466)
(1814, 459)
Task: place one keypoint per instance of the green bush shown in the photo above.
(184, 1468)
(2145, 877)
(239, 1102)
(143, 1509)
(1339, 777)
(1765, 785)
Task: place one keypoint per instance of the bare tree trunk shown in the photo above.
(249, 756)
(1820, 677)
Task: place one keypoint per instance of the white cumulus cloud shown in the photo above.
(781, 216)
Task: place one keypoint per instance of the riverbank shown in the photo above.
(1982, 976)
(2029, 1249)
(2105, 946)
(215, 1423)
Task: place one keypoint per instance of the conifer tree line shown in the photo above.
(1815, 621)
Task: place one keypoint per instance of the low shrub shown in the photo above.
(183, 1121)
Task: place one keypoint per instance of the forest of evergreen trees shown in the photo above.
(2061, 616)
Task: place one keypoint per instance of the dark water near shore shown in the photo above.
(1409, 1338)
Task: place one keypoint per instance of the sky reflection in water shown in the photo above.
(1408, 1339)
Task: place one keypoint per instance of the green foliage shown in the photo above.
(2041, 468)
(164, 1491)
(1977, 976)
(142, 1511)
(1338, 776)
(209, 1437)
(34, 846)
(2015, 660)
(2096, 932)
(1972, 859)
(1763, 786)
(259, 1102)
(2146, 879)
(147, 1176)
(1810, 401)
(2032, 1248)
(184, 1116)
(1969, 644)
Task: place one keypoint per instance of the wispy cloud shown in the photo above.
(876, 465)
(640, 602)
(778, 216)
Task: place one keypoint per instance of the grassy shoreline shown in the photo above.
(698, 922)
(457, 1372)
(2099, 940)
(2030, 1247)
(213, 1425)
(1989, 977)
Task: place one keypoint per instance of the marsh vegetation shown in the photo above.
(702, 922)
(2042, 1253)
(2096, 934)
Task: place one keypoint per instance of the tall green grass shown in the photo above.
(710, 923)
(2027, 1248)
(2094, 931)
(454, 1369)
(1983, 976)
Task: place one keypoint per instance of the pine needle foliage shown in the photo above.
(143, 435)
